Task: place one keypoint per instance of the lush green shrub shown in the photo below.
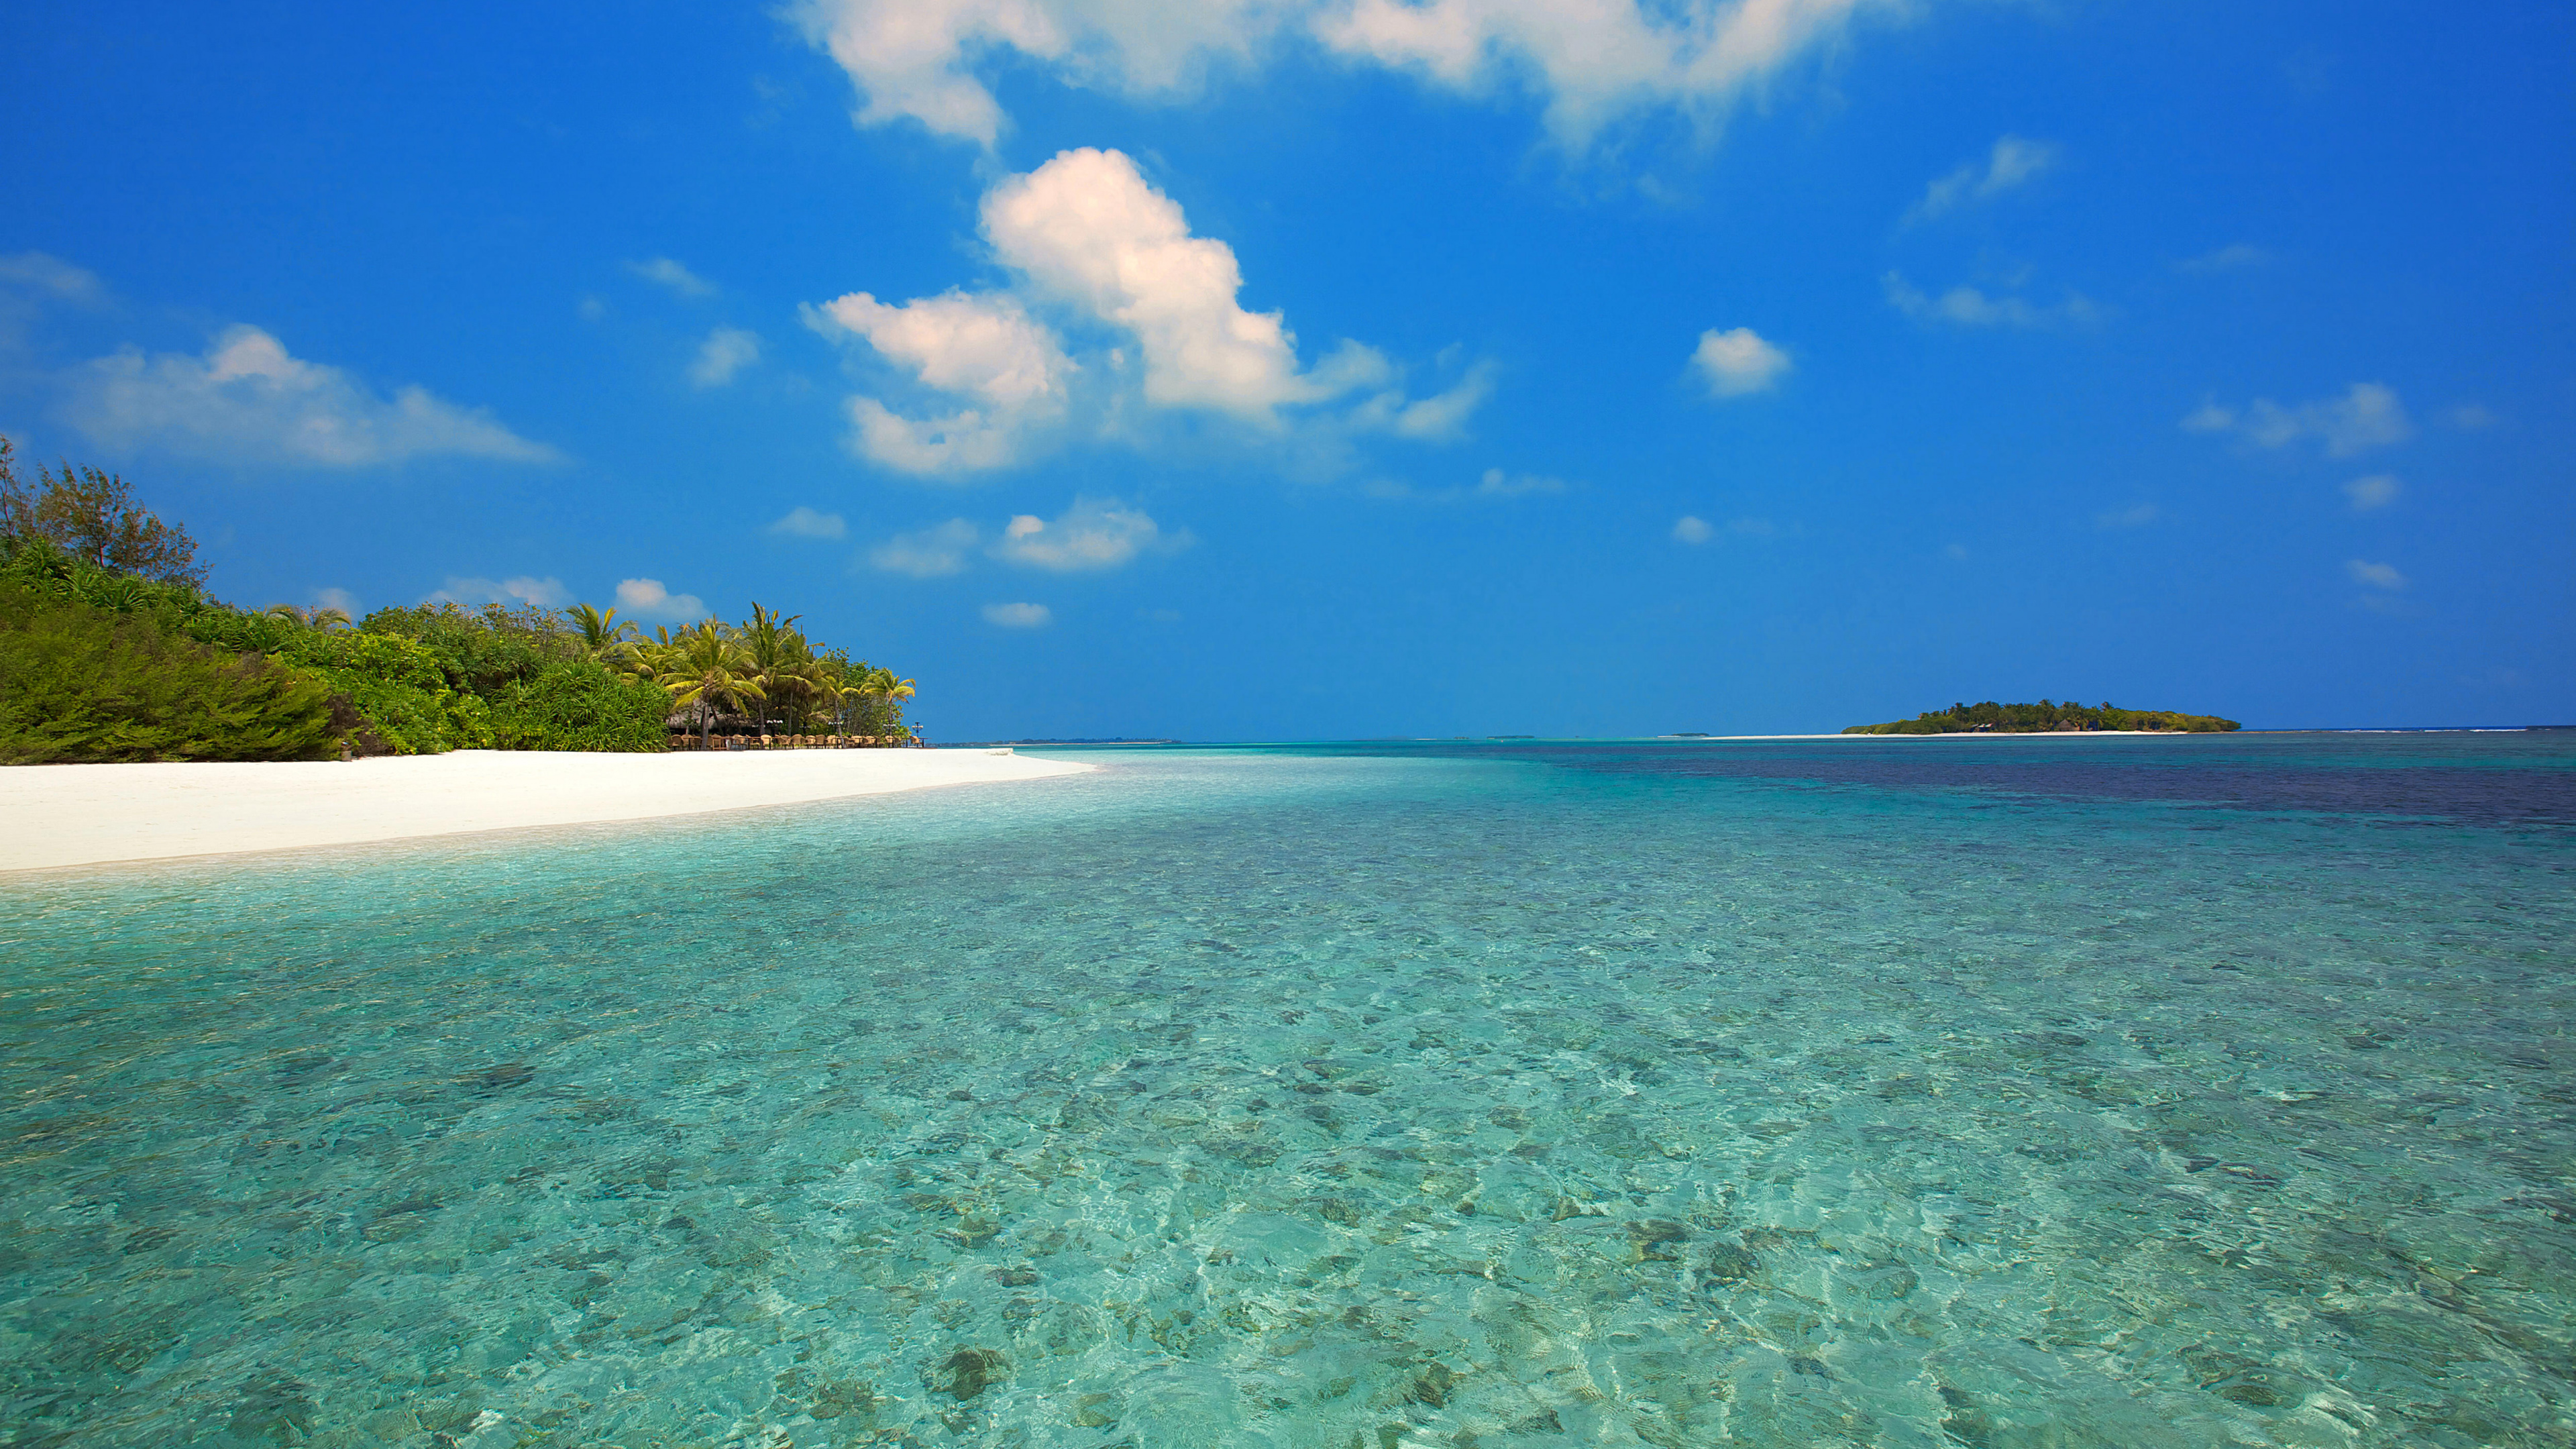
(578, 704)
(83, 683)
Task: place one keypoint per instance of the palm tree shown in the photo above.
(706, 665)
(888, 691)
(311, 618)
(602, 637)
(780, 657)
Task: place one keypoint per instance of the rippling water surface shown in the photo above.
(2170, 1092)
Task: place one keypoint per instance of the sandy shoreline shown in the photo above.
(60, 815)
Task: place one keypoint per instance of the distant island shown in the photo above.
(2045, 718)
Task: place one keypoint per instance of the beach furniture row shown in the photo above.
(793, 742)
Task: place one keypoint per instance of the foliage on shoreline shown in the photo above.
(110, 650)
(2044, 717)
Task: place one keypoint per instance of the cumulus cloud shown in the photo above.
(2138, 517)
(648, 599)
(247, 400)
(545, 593)
(2374, 575)
(51, 275)
(340, 599)
(726, 351)
(1692, 529)
(803, 522)
(928, 553)
(1091, 241)
(985, 347)
(671, 274)
(2011, 163)
(1498, 484)
(2367, 416)
(2376, 491)
(1966, 306)
(1096, 533)
(1019, 616)
(1737, 362)
(1590, 62)
(1087, 227)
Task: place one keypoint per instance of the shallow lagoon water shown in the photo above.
(2061, 1092)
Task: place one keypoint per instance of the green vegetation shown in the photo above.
(111, 651)
(2044, 718)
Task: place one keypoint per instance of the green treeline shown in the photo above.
(110, 650)
(2044, 717)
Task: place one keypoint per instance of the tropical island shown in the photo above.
(112, 651)
(2046, 718)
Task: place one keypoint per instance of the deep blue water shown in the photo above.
(2166, 1092)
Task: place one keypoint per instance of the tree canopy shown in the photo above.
(2045, 717)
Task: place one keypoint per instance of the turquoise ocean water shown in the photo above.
(2171, 1092)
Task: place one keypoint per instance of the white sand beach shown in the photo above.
(59, 815)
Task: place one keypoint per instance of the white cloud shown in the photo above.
(803, 522)
(1591, 62)
(1968, 307)
(929, 553)
(2470, 417)
(2138, 517)
(986, 347)
(247, 400)
(2367, 416)
(2375, 575)
(2012, 162)
(2376, 491)
(1096, 533)
(1086, 227)
(340, 599)
(545, 593)
(1090, 239)
(1693, 529)
(674, 276)
(2235, 257)
(648, 599)
(726, 351)
(38, 272)
(1019, 616)
(1737, 362)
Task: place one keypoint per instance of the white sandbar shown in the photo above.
(57, 815)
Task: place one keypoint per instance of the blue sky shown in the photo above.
(1237, 370)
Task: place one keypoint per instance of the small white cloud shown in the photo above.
(726, 351)
(2470, 417)
(2375, 575)
(803, 522)
(2376, 491)
(2367, 416)
(2012, 162)
(1095, 533)
(545, 593)
(247, 400)
(674, 276)
(591, 309)
(1957, 552)
(2232, 258)
(1693, 529)
(1441, 417)
(928, 553)
(38, 272)
(1737, 362)
(1019, 616)
(340, 599)
(648, 599)
(2138, 517)
(1966, 306)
